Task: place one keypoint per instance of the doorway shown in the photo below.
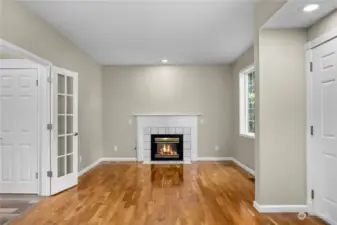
(324, 130)
(38, 124)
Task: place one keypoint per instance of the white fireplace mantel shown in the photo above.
(173, 123)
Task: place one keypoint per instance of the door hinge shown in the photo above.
(312, 194)
(36, 175)
(50, 174)
(49, 126)
(312, 130)
(311, 67)
(37, 82)
(49, 79)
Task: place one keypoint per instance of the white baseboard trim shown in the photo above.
(243, 166)
(167, 162)
(327, 221)
(134, 159)
(122, 159)
(280, 208)
(205, 159)
(86, 169)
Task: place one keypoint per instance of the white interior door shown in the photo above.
(325, 130)
(64, 155)
(18, 129)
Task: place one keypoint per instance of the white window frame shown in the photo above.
(244, 101)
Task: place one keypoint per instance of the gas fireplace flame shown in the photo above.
(167, 150)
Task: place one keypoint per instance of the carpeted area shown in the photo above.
(12, 206)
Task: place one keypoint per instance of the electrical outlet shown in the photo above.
(80, 158)
(130, 121)
(216, 148)
(202, 121)
(115, 148)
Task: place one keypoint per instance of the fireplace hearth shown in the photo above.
(165, 147)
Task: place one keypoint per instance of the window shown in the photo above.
(247, 102)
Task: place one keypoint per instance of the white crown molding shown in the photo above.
(280, 208)
(15, 50)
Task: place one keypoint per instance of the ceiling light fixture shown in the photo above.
(164, 61)
(310, 7)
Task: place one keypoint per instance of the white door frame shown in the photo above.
(32, 61)
(310, 156)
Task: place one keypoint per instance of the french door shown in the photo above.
(325, 130)
(64, 151)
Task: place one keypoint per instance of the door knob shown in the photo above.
(76, 134)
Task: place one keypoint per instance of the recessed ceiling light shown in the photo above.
(164, 61)
(310, 7)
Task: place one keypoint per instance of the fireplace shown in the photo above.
(166, 147)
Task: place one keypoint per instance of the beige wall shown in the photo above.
(243, 147)
(21, 27)
(4, 55)
(263, 10)
(323, 26)
(282, 124)
(168, 89)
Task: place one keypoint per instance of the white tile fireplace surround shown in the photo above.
(185, 124)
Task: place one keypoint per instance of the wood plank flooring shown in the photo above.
(138, 194)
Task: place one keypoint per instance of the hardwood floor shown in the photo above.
(138, 194)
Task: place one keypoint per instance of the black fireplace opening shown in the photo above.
(167, 147)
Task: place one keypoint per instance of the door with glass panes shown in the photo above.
(64, 151)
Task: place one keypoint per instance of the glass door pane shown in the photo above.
(61, 166)
(70, 85)
(69, 105)
(69, 125)
(70, 164)
(70, 144)
(62, 124)
(61, 84)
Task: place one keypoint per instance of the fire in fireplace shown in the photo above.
(167, 147)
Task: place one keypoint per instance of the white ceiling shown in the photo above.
(292, 16)
(142, 32)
